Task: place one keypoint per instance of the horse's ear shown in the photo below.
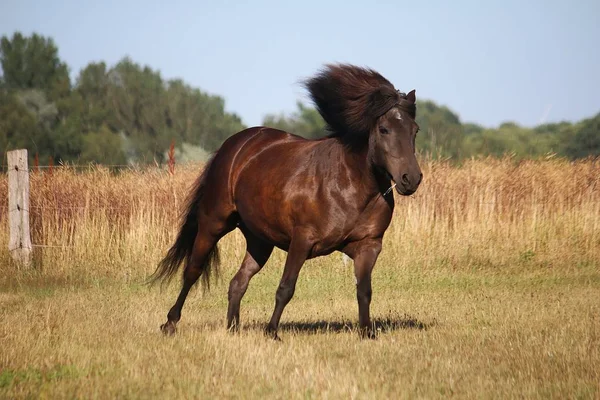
(411, 96)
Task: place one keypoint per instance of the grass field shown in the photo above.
(488, 286)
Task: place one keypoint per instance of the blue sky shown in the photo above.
(526, 61)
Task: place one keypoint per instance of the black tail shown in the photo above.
(182, 248)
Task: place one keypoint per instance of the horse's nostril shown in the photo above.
(405, 179)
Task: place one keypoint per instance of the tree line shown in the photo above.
(128, 113)
(110, 115)
(443, 135)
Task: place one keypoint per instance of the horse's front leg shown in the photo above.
(364, 254)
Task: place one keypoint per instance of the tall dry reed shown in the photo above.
(484, 213)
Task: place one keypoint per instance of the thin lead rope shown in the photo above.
(390, 189)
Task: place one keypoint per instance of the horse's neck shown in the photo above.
(357, 164)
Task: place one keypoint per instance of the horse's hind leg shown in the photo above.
(257, 254)
(204, 244)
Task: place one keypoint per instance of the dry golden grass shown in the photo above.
(488, 286)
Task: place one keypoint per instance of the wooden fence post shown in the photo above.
(19, 242)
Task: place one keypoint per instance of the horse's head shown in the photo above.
(360, 106)
(392, 145)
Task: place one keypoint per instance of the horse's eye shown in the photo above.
(383, 130)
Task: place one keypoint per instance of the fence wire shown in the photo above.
(165, 166)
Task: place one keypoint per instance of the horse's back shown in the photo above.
(253, 141)
(231, 159)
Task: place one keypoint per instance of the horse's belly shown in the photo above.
(264, 212)
(276, 216)
(266, 227)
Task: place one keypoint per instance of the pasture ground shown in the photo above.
(495, 294)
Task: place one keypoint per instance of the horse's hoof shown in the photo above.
(367, 333)
(275, 338)
(272, 334)
(168, 329)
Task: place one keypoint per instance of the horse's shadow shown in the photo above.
(381, 325)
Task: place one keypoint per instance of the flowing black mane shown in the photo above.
(351, 98)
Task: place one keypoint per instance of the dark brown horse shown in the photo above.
(307, 197)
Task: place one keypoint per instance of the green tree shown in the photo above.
(441, 133)
(103, 146)
(90, 98)
(33, 63)
(305, 122)
(585, 141)
(34, 77)
(18, 127)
